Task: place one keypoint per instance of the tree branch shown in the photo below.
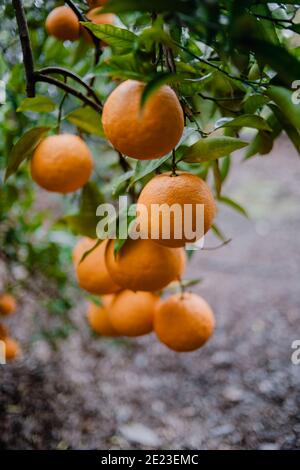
(67, 73)
(26, 47)
(39, 77)
(82, 17)
(253, 85)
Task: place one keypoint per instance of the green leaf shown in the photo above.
(192, 86)
(290, 130)
(262, 144)
(212, 148)
(86, 119)
(277, 57)
(246, 120)
(90, 198)
(268, 27)
(217, 177)
(85, 221)
(155, 35)
(284, 100)
(119, 182)
(24, 148)
(159, 6)
(104, 69)
(81, 224)
(254, 102)
(112, 35)
(39, 104)
(218, 233)
(97, 243)
(118, 244)
(225, 167)
(144, 167)
(263, 141)
(233, 204)
(159, 80)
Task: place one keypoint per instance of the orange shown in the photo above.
(131, 313)
(146, 133)
(8, 304)
(63, 24)
(96, 17)
(98, 317)
(3, 331)
(12, 348)
(92, 273)
(61, 163)
(142, 265)
(182, 189)
(184, 322)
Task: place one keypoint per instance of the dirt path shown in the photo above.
(241, 391)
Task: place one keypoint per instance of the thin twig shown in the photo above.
(26, 47)
(60, 108)
(82, 17)
(213, 248)
(123, 163)
(253, 85)
(72, 91)
(69, 74)
(174, 166)
(218, 102)
(33, 77)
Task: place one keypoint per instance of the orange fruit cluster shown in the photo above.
(8, 306)
(183, 322)
(131, 279)
(129, 283)
(63, 24)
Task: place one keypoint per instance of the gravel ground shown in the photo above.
(241, 391)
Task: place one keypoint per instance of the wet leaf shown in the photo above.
(212, 148)
(38, 104)
(24, 148)
(86, 119)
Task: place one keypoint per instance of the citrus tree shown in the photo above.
(104, 98)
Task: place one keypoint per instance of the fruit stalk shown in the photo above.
(82, 17)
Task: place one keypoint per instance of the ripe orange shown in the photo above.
(61, 163)
(63, 24)
(184, 322)
(8, 304)
(98, 317)
(182, 189)
(146, 133)
(96, 17)
(92, 273)
(3, 332)
(142, 265)
(12, 348)
(131, 313)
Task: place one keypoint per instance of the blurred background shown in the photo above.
(240, 391)
(72, 390)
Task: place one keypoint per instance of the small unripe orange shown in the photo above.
(3, 332)
(12, 348)
(63, 24)
(8, 304)
(98, 317)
